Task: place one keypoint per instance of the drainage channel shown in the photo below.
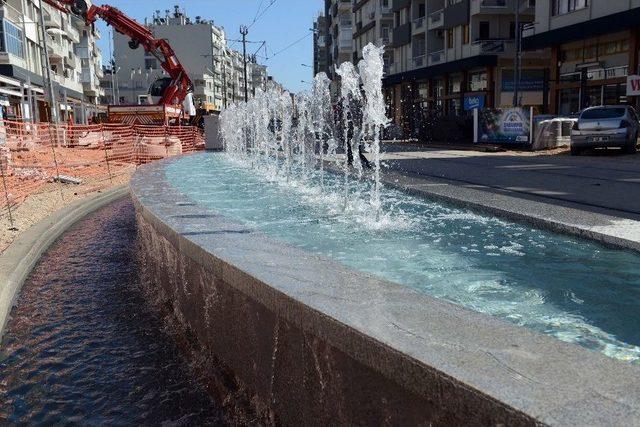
(83, 346)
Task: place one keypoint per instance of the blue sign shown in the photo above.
(531, 80)
(473, 102)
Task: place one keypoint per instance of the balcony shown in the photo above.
(491, 7)
(419, 25)
(402, 35)
(72, 34)
(419, 61)
(490, 47)
(436, 57)
(71, 61)
(52, 18)
(436, 19)
(55, 50)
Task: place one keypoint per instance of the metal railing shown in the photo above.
(436, 18)
(418, 23)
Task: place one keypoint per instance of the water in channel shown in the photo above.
(83, 347)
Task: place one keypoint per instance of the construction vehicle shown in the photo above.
(175, 104)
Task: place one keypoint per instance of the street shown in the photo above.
(601, 180)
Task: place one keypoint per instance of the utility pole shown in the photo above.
(46, 64)
(244, 31)
(516, 59)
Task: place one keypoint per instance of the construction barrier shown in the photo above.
(36, 156)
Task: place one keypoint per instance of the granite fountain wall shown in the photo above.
(302, 340)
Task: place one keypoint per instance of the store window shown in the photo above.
(423, 90)
(455, 83)
(568, 101)
(593, 96)
(465, 34)
(615, 94)
(438, 88)
(11, 39)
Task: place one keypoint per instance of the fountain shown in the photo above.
(283, 135)
(334, 299)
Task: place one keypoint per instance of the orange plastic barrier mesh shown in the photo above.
(35, 155)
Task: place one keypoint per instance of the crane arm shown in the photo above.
(140, 35)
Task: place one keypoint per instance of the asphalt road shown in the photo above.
(601, 180)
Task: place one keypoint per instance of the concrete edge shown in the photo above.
(17, 261)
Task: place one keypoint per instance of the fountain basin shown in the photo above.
(308, 340)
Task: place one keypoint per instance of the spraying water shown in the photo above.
(293, 136)
(375, 117)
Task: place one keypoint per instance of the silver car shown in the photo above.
(606, 126)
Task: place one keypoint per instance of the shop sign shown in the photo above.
(474, 101)
(512, 125)
(531, 80)
(633, 85)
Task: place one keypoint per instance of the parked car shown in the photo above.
(606, 126)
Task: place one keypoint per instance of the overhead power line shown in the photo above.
(290, 45)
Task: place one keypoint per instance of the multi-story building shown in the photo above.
(373, 24)
(339, 39)
(446, 52)
(22, 62)
(320, 51)
(216, 71)
(259, 75)
(594, 47)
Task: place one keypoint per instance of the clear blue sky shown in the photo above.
(284, 22)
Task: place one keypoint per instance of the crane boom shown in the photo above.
(180, 85)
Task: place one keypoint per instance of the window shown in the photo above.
(11, 40)
(465, 34)
(484, 30)
(450, 38)
(512, 30)
(477, 81)
(560, 7)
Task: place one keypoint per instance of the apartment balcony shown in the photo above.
(52, 18)
(71, 61)
(437, 57)
(55, 50)
(497, 7)
(436, 19)
(72, 34)
(87, 76)
(419, 61)
(96, 33)
(402, 35)
(490, 47)
(99, 72)
(419, 25)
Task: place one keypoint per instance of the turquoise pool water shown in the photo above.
(572, 289)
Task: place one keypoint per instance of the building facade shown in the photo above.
(449, 56)
(320, 51)
(216, 70)
(339, 33)
(74, 59)
(594, 48)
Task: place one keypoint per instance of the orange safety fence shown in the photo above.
(34, 155)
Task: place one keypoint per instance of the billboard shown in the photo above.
(510, 125)
(633, 85)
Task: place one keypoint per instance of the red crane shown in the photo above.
(174, 89)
